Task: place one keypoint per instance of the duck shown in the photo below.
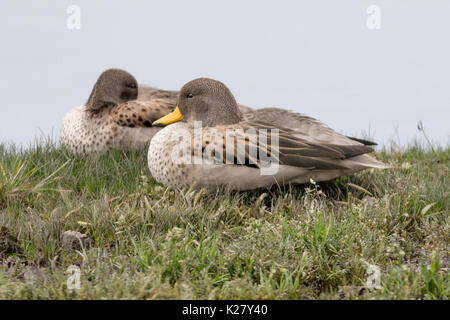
(115, 116)
(206, 142)
(275, 115)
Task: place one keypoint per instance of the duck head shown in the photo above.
(205, 100)
(114, 86)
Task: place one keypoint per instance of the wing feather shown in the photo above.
(253, 142)
(140, 113)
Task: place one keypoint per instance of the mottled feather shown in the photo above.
(140, 113)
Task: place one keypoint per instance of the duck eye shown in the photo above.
(190, 95)
(131, 85)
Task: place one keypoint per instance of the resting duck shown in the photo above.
(112, 118)
(233, 152)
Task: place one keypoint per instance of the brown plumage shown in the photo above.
(140, 113)
(151, 93)
(114, 86)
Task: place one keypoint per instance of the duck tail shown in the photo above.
(363, 141)
(367, 161)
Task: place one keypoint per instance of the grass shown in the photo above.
(302, 242)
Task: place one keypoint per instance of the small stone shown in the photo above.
(73, 240)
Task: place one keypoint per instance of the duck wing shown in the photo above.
(150, 93)
(304, 125)
(140, 113)
(253, 143)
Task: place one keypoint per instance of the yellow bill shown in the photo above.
(172, 117)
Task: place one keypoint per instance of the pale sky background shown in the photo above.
(315, 57)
